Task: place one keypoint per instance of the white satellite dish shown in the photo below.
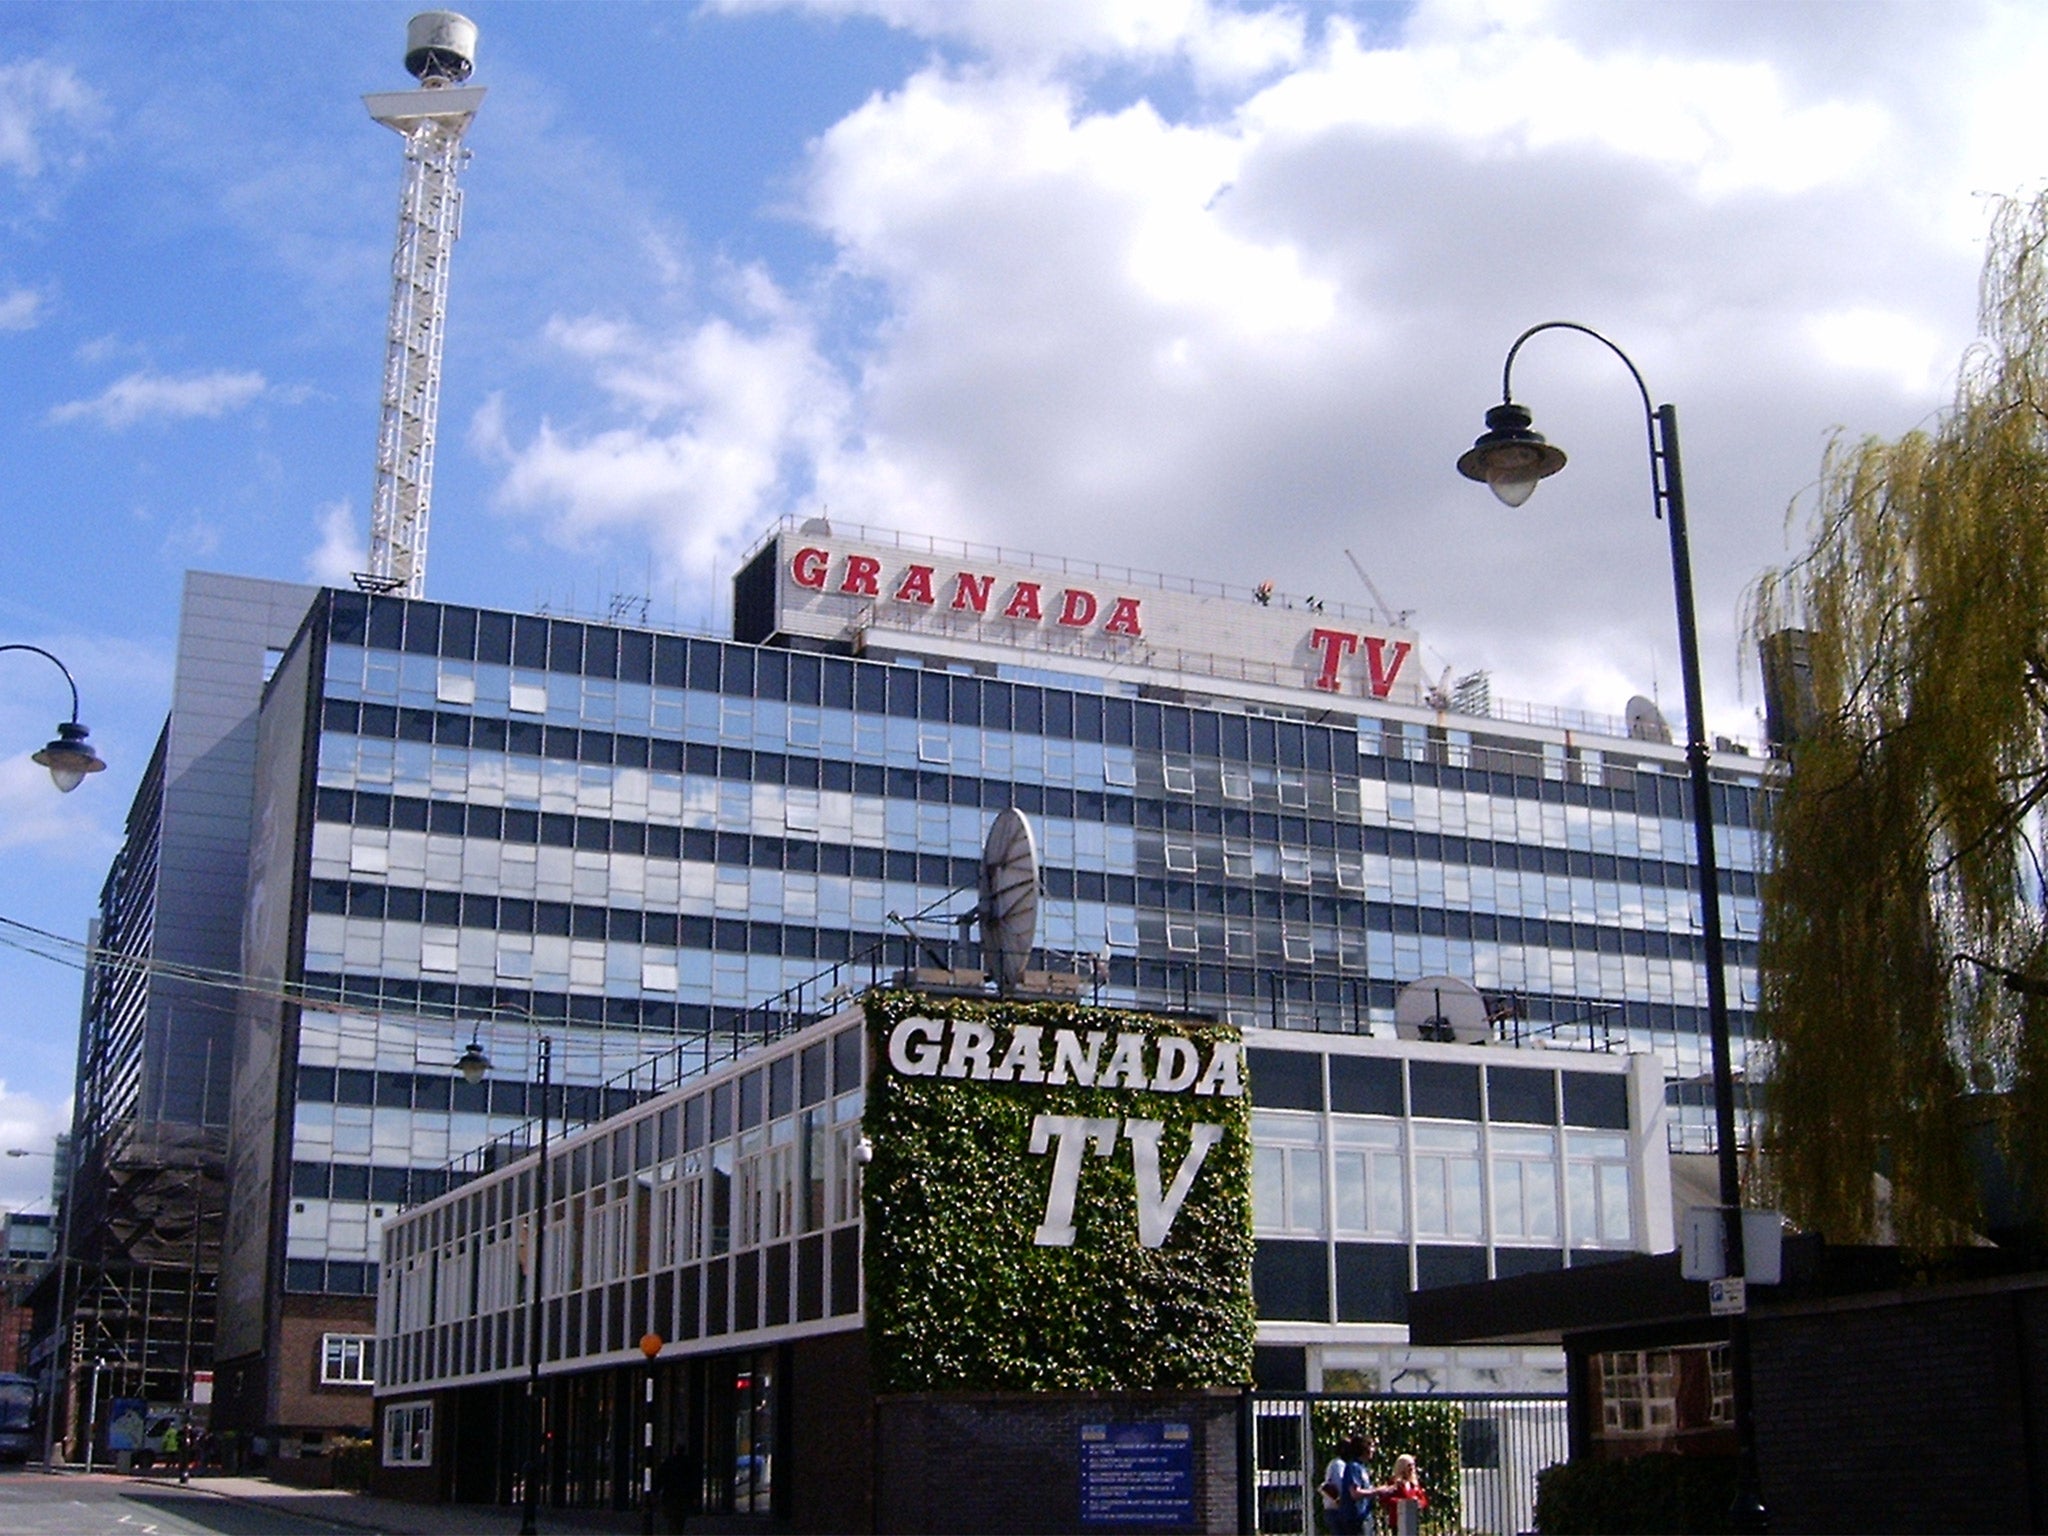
(1008, 910)
(1646, 721)
(1442, 1008)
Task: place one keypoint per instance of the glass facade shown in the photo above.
(634, 838)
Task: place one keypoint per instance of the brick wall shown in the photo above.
(1012, 1462)
(1906, 1412)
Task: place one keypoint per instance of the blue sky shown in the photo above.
(1211, 289)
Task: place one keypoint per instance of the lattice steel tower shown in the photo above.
(440, 51)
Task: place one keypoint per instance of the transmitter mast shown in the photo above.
(440, 52)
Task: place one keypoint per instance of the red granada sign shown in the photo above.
(964, 592)
(1383, 658)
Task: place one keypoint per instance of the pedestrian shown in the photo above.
(1402, 1499)
(1347, 1488)
(174, 1448)
(1332, 1490)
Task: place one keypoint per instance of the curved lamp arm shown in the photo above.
(70, 757)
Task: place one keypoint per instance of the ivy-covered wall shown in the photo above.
(961, 1297)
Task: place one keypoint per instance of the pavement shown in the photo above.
(397, 1517)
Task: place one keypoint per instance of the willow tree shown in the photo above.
(1905, 954)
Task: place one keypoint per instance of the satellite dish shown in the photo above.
(1009, 899)
(1646, 721)
(1442, 1008)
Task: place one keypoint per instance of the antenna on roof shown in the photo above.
(440, 51)
(1379, 599)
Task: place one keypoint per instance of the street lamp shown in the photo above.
(1512, 458)
(70, 756)
(473, 1066)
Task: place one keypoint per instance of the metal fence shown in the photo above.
(1502, 1442)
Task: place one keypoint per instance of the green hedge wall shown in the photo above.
(958, 1295)
(1656, 1493)
(1427, 1430)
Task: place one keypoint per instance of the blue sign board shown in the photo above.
(1137, 1475)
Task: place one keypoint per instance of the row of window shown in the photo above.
(1437, 1090)
(1385, 1180)
(807, 1280)
(1345, 1282)
(1173, 798)
(1200, 828)
(812, 941)
(637, 658)
(1337, 1003)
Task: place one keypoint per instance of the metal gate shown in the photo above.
(1478, 1454)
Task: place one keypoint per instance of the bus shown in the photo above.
(17, 1418)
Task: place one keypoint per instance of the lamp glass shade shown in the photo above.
(70, 757)
(473, 1064)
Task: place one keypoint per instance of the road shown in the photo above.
(75, 1504)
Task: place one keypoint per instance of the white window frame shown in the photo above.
(1178, 778)
(348, 1360)
(409, 1434)
(1183, 938)
(1180, 858)
(1638, 1392)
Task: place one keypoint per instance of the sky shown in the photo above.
(1218, 290)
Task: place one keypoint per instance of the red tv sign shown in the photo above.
(1383, 659)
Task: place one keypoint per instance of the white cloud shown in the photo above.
(342, 550)
(42, 106)
(33, 814)
(30, 1124)
(1221, 43)
(20, 309)
(144, 395)
(725, 422)
(1236, 338)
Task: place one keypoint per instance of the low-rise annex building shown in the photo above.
(1052, 1223)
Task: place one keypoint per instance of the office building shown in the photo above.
(142, 1176)
(472, 824)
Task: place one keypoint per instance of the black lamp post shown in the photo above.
(1511, 457)
(70, 756)
(474, 1065)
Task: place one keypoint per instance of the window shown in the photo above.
(1524, 1185)
(346, 1360)
(1287, 1172)
(409, 1435)
(1179, 778)
(1181, 938)
(1447, 1182)
(1294, 866)
(1293, 791)
(1720, 1386)
(526, 699)
(1638, 1392)
(1350, 874)
(1239, 943)
(1237, 859)
(1297, 946)
(1597, 1190)
(1180, 858)
(1237, 784)
(1371, 1183)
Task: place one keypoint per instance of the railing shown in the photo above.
(1495, 1445)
